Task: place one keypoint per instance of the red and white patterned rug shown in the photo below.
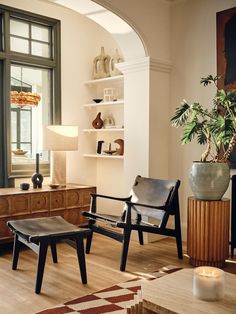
(110, 300)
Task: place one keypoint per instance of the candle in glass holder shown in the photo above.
(208, 283)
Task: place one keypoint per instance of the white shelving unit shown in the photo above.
(105, 80)
(103, 130)
(114, 108)
(119, 102)
(103, 156)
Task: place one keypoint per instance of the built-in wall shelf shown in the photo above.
(105, 103)
(104, 130)
(108, 107)
(104, 80)
(103, 156)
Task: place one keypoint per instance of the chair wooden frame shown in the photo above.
(168, 205)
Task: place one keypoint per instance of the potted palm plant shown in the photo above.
(215, 128)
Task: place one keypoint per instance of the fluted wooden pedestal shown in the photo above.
(208, 232)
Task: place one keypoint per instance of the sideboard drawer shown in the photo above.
(5, 205)
(86, 196)
(58, 200)
(40, 202)
(73, 198)
(20, 204)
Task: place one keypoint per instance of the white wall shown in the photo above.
(193, 52)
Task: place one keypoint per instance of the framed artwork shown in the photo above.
(226, 55)
(226, 48)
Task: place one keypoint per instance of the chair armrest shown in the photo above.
(122, 199)
(163, 207)
(94, 196)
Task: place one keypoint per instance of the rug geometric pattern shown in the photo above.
(110, 300)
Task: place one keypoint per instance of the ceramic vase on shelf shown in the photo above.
(117, 58)
(108, 121)
(101, 65)
(97, 122)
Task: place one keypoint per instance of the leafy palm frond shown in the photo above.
(215, 127)
(202, 135)
(231, 94)
(215, 113)
(222, 98)
(209, 79)
(228, 131)
(181, 115)
(190, 131)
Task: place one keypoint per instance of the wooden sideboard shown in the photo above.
(67, 202)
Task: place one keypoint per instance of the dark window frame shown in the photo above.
(18, 141)
(7, 58)
(30, 39)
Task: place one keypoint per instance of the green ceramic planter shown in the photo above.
(209, 181)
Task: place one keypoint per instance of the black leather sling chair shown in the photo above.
(149, 199)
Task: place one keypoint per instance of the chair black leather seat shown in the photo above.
(38, 233)
(149, 199)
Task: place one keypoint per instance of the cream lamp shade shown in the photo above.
(58, 139)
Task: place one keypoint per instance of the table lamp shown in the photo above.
(58, 139)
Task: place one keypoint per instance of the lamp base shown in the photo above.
(58, 168)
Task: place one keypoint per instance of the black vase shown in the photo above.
(37, 178)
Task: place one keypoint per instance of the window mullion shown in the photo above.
(31, 60)
(18, 128)
(6, 38)
(30, 38)
(31, 128)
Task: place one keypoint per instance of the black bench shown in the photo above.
(38, 233)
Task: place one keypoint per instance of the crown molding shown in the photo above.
(145, 63)
(135, 65)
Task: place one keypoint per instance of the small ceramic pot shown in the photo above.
(24, 186)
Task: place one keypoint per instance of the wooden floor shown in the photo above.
(62, 281)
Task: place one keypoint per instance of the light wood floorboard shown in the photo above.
(62, 281)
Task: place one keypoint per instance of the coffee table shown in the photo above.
(173, 294)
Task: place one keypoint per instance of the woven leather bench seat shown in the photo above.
(38, 233)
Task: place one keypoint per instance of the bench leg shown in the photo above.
(16, 251)
(88, 242)
(81, 258)
(54, 251)
(43, 246)
(140, 237)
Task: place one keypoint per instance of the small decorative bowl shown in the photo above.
(24, 186)
(20, 152)
(97, 100)
(54, 186)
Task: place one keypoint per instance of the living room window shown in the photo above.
(30, 38)
(29, 89)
